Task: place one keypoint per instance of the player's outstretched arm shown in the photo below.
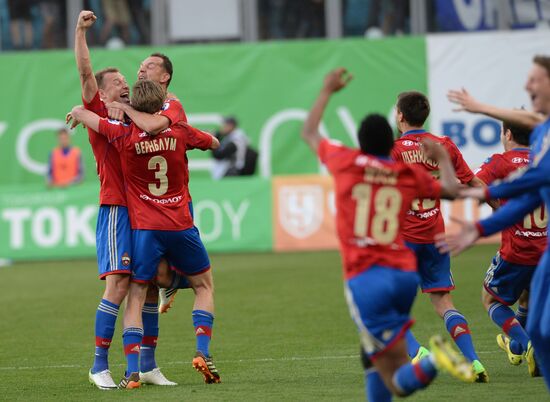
(447, 178)
(334, 81)
(467, 103)
(83, 62)
(86, 117)
(150, 123)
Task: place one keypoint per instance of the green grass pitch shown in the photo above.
(282, 332)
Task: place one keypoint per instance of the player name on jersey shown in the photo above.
(156, 145)
(417, 156)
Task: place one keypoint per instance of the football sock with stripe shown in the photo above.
(375, 388)
(105, 319)
(150, 317)
(203, 322)
(460, 332)
(521, 316)
(505, 318)
(412, 377)
(412, 344)
(131, 339)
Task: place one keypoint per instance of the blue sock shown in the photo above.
(412, 377)
(412, 344)
(505, 318)
(521, 316)
(105, 319)
(375, 388)
(203, 322)
(131, 339)
(150, 317)
(460, 332)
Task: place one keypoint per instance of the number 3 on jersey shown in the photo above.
(160, 188)
(385, 221)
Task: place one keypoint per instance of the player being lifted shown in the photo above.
(424, 221)
(114, 256)
(155, 170)
(521, 248)
(373, 194)
(525, 193)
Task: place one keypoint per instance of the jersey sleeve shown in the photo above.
(330, 153)
(96, 105)
(488, 172)
(113, 130)
(462, 170)
(509, 214)
(173, 110)
(426, 185)
(197, 139)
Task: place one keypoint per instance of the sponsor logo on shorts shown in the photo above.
(126, 260)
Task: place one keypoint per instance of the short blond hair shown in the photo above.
(100, 75)
(147, 96)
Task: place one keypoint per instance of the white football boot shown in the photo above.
(102, 380)
(155, 377)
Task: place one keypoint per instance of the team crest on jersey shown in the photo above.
(408, 143)
(301, 209)
(126, 260)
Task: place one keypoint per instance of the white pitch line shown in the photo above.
(175, 363)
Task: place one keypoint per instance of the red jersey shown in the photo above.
(173, 109)
(373, 196)
(524, 242)
(155, 169)
(111, 180)
(424, 219)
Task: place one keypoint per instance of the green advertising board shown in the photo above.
(36, 223)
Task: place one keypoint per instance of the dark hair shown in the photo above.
(166, 64)
(147, 96)
(543, 61)
(520, 134)
(375, 135)
(231, 120)
(100, 75)
(415, 107)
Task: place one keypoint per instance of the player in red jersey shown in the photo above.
(113, 227)
(373, 195)
(424, 221)
(157, 67)
(156, 175)
(522, 246)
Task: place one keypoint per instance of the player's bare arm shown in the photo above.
(447, 178)
(86, 117)
(150, 123)
(83, 62)
(467, 103)
(334, 82)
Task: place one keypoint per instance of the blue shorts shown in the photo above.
(434, 268)
(113, 241)
(505, 281)
(380, 301)
(183, 249)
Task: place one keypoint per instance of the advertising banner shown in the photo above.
(493, 67)
(36, 223)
